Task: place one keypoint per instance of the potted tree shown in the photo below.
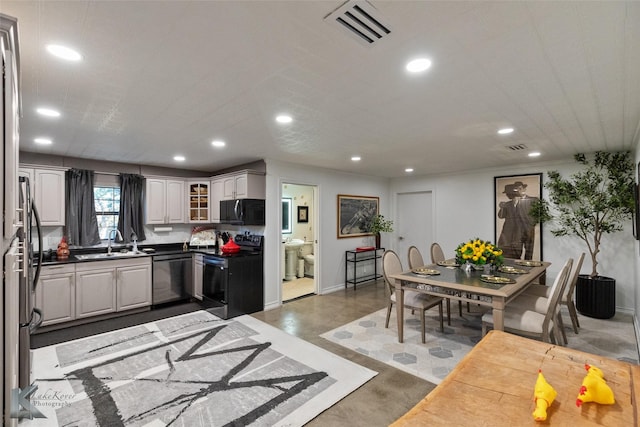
(595, 201)
(378, 225)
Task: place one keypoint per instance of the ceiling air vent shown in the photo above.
(517, 147)
(360, 20)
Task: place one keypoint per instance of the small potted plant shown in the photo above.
(597, 200)
(379, 225)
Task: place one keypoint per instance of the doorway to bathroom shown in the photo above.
(299, 240)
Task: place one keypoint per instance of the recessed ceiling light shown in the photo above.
(505, 131)
(43, 141)
(179, 158)
(283, 118)
(534, 154)
(356, 158)
(408, 170)
(48, 112)
(218, 144)
(64, 52)
(418, 65)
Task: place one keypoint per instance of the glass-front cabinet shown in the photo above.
(199, 201)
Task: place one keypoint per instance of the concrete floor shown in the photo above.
(384, 398)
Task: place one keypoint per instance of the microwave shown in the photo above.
(242, 211)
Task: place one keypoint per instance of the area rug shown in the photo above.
(433, 360)
(190, 370)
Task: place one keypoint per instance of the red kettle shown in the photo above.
(231, 247)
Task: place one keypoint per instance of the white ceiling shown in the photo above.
(166, 78)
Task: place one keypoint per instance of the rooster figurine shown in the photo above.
(595, 388)
(544, 396)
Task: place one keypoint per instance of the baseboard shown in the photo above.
(636, 327)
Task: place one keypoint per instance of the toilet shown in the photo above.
(306, 254)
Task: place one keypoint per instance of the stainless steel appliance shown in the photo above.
(242, 212)
(233, 284)
(29, 316)
(172, 273)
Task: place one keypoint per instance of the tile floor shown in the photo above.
(393, 392)
(297, 288)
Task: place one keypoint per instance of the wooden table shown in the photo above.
(493, 386)
(454, 283)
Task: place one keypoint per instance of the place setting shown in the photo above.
(424, 271)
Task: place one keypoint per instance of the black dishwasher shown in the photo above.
(233, 285)
(172, 273)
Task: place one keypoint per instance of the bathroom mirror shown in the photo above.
(286, 215)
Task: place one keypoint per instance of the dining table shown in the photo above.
(494, 289)
(494, 385)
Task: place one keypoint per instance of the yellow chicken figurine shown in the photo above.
(544, 396)
(595, 388)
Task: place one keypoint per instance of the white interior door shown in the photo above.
(415, 224)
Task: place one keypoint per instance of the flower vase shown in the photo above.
(466, 267)
(377, 236)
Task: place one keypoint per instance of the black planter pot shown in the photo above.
(596, 297)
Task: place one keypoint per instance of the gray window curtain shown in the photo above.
(80, 213)
(131, 218)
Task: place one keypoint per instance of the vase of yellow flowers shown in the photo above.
(477, 253)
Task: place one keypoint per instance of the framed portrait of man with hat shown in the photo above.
(517, 233)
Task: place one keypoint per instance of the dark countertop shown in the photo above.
(160, 249)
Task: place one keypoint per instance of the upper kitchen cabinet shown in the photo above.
(48, 193)
(199, 201)
(165, 201)
(217, 192)
(243, 185)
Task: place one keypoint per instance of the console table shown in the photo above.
(356, 257)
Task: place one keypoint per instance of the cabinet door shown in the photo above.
(241, 186)
(175, 202)
(133, 287)
(198, 202)
(95, 292)
(55, 296)
(229, 188)
(198, 267)
(156, 201)
(50, 196)
(217, 193)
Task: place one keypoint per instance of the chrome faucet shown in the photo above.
(109, 238)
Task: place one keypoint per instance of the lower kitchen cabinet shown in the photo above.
(95, 290)
(78, 291)
(133, 287)
(198, 267)
(55, 294)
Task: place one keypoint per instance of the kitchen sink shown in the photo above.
(112, 255)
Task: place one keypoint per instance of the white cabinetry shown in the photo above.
(198, 270)
(109, 286)
(165, 201)
(217, 191)
(55, 294)
(133, 286)
(48, 193)
(242, 185)
(199, 197)
(95, 289)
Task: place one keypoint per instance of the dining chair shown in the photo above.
(567, 298)
(415, 260)
(437, 255)
(530, 323)
(414, 300)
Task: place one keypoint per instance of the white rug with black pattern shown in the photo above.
(189, 370)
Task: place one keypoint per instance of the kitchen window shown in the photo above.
(107, 202)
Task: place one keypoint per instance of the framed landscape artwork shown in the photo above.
(355, 213)
(516, 233)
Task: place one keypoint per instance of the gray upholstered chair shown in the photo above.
(415, 260)
(414, 300)
(437, 255)
(567, 298)
(529, 322)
